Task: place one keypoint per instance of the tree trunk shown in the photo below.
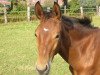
(11, 5)
(65, 3)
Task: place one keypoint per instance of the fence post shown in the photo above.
(65, 9)
(81, 10)
(5, 14)
(48, 9)
(28, 10)
(99, 11)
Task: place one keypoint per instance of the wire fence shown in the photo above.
(16, 16)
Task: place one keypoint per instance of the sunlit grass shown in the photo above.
(96, 20)
(17, 49)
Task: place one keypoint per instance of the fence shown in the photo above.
(28, 15)
(81, 11)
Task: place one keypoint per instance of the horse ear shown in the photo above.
(56, 10)
(38, 10)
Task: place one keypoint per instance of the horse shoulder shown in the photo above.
(83, 54)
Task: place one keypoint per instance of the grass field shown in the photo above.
(18, 50)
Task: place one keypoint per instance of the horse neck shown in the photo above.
(79, 32)
(73, 35)
(64, 43)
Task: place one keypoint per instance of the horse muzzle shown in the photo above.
(44, 70)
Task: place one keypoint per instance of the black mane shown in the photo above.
(85, 21)
(47, 15)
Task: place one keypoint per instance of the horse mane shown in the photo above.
(47, 15)
(85, 21)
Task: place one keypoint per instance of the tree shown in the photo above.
(9, 7)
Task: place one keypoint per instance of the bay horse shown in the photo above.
(74, 39)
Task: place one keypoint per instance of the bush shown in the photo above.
(74, 6)
(21, 7)
(87, 3)
(48, 3)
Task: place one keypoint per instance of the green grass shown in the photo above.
(18, 50)
(96, 20)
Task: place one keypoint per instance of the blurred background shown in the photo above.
(21, 10)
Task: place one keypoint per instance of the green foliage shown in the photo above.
(98, 2)
(48, 3)
(74, 6)
(14, 16)
(89, 3)
(21, 7)
(1, 5)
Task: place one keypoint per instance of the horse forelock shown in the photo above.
(48, 15)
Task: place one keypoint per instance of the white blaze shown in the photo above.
(45, 29)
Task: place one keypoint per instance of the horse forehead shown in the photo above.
(48, 26)
(50, 21)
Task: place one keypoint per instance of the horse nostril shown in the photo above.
(42, 70)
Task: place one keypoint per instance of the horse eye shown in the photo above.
(35, 35)
(57, 36)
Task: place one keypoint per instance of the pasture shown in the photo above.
(18, 50)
